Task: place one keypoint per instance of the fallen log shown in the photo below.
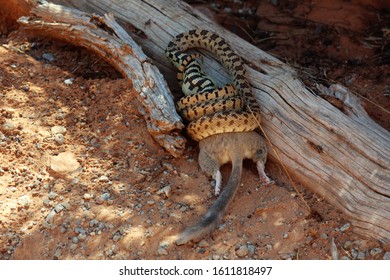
(343, 156)
(105, 37)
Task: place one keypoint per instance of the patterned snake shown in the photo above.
(211, 110)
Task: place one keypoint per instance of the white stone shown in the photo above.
(64, 163)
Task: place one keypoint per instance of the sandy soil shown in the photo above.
(81, 178)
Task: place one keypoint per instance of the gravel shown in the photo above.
(242, 251)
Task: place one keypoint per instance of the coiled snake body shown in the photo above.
(211, 110)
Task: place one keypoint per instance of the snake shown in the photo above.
(210, 109)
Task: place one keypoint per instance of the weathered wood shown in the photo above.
(119, 49)
(344, 157)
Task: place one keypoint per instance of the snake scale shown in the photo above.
(211, 110)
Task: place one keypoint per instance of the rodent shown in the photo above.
(215, 151)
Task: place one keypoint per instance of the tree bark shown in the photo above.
(342, 156)
(105, 37)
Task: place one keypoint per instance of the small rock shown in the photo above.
(116, 237)
(25, 88)
(59, 139)
(73, 247)
(47, 225)
(162, 252)
(347, 245)
(89, 214)
(57, 253)
(99, 200)
(285, 235)
(251, 249)
(354, 253)
(47, 203)
(52, 195)
(216, 257)
(58, 129)
(75, 240)
(65, 204)
(9, 127)
(203, 244)
(69, 81)
(82, 236)
(58, 208)
(166, 190)
(361, 256)
(60, 116)
(79, 230)
(48, 56)
(386, 256)
(333, 250)
(64, 163)
(24, 201)
(87, 196)
(103, 179)
(242, 251)
(105, 196)
(324, 236)
(375, 251)
(345, 227)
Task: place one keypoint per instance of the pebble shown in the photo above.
(105, 196)
(75, 240)
(89, 214)
(87, 196)
(9, 127)
(52, 195)
(166, 190)
(216, 257)
(58, 129)
(82, 236)
(60, 116)
(57, 253)
(252, 249)
(333, 250)
(58, 208)
(64, 163)
(375, 251)
(103, 179)
(361, 256)
(79, 230)
(99, 200)
(24, 201)
(73, 247)
(162, 252)
(386, 256)
(203, 244)
(345, 227)
(59, 139)
(48, 56)
(242, 251)
(347, 245)
(25, 88)
(116, 237)
(69, 81)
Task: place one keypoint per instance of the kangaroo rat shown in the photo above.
(215, 151)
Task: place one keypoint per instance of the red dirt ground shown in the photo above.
(128, 194)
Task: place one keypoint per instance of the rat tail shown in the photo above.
(214, 215)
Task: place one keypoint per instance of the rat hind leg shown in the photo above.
(210, 166)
